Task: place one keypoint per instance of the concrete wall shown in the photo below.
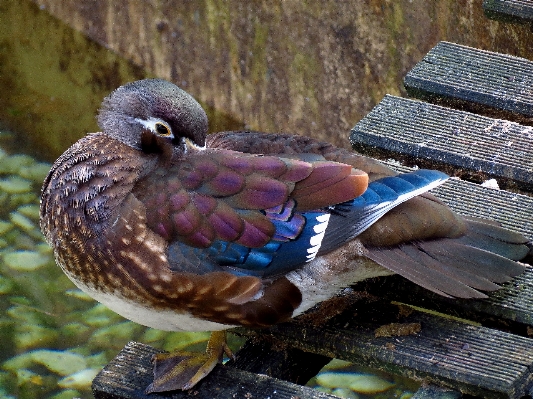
(309, 67)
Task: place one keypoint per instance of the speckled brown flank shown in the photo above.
(101, 237)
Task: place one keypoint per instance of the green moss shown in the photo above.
(258, 70)
(51, 76)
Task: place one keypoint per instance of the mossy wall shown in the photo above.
(309, 67)
(52, 79)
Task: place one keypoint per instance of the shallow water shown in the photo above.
(352, 381)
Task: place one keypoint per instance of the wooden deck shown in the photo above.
(497, 85)
(462, 144)
(519, 11)
(479, 347)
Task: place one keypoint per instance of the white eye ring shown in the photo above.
(163, 129)
(157, 126)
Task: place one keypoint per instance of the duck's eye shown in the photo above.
(162, 129)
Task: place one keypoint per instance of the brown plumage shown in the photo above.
(181, 232)
(102, 241)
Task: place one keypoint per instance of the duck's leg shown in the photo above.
(183, 370)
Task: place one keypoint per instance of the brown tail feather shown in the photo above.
(417, 269)
(491, 237)
(484, 256)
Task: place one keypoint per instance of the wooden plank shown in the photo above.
(514, 211)
(519, 11)
(491, 312)
(264, 357)
(461, 143)
(475, 360)
(482, 81)
(126, 377)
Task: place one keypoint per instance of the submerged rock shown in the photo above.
(6, 285)
(30, 211)
(22, 221)
(369, 384)
(14, 163)
(345, 393)
(80, 380)
(336, 364)
(59, 362)
(74, 330)
(5, 227)
(36, 172)
(15, 185)
(66, 394)
(361, 383)
(25, 260)
(28, 377)
(335, 380)
(121, 332)
(19, 362)
(33, 336)
(78, 294)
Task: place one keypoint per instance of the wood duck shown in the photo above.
(181, 231)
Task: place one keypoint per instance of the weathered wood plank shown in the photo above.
(510, 308)
(126, 377)
(512, 210)
(475, 360)
(472, 79)
(461, 143)
(519, 11)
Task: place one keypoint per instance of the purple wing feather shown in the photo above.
(222, 195)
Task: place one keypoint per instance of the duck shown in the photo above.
(179, 230)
